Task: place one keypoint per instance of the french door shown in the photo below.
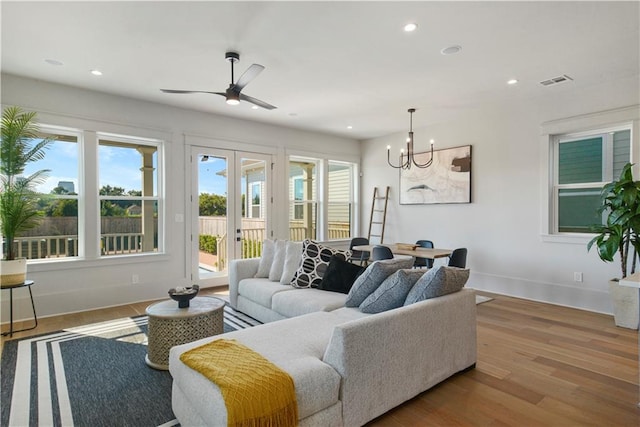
(230, 205)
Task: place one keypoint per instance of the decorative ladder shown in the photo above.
(378, 215)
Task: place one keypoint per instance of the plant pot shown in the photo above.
(625, 305)
(13, 272)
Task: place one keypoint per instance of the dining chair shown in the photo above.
(381, 252)
(458, 258)
(424, 262)
(362, 256)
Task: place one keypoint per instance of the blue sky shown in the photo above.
(119, 167)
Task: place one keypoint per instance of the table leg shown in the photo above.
(33, 307)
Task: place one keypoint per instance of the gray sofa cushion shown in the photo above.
(436, 282)
(392, 292)
(266, 258)
(293, 257)
(275, 273)
(303, 301)
(261, 291)
(373, 277)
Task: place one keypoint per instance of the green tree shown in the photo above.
(212, 205)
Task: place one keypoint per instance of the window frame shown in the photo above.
(88, 206)
(579, 126)
(157, 197)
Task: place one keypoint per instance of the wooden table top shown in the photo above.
(430, 253)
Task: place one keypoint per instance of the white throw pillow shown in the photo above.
(266, 259)
(278, 261)
(293, 258)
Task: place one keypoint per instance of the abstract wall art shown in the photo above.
(447, 180)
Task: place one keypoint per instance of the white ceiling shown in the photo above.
(328, 64)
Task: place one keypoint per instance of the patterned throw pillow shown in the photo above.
(315, 260)
(392, 292)
(373, 277)
(266, 259)
(438, 281)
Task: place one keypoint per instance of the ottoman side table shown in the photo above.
(170, 326)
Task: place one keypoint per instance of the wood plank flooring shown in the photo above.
(538, 365)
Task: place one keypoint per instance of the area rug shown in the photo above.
(94, 375)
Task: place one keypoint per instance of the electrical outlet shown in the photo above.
(577, 276)
(135, 279)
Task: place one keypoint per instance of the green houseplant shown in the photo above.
(18, 197)
(620, 203)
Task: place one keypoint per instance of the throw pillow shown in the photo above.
(266, 259)
(275, 273)
(438, 281)
(392, 292)
(373, 277)
(340, 275)
(292, 259)
(315, 260)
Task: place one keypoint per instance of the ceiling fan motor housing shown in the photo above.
(232, 56)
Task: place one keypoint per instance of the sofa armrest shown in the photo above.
(240, 269)
(403, 352)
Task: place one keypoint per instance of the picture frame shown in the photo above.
(447, 180)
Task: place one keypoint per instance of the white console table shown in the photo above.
(633, 281)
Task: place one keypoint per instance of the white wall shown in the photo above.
(63, 287)
(502, 226)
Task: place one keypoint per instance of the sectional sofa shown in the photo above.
(348, 367)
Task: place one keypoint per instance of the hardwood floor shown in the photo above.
(538, 365)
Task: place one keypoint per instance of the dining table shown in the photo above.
(401, 249)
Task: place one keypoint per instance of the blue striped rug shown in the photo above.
(93, 375)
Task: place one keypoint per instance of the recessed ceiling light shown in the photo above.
(512, 81)
(349, 127)
(96, 72)
(254, 107)
(410, 27)
(451, 50)
(53, 62)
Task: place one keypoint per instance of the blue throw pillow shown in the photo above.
(392, 292)
(438, 281)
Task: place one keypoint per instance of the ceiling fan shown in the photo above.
(234, 94)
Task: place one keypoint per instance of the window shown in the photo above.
(128, 195)
(321, 194)
(585, 163)
(340, 185)
(303, 213)
(256, 197)
(57, 234)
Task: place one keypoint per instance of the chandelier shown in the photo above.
(410, 155)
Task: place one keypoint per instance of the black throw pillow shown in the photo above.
(340, 275)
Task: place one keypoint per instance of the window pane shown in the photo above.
(302, 197)
(339, 206)
(621, 151)
(124, 165)
(128, 178)
(57, 234)
(580, 161)
(577, 210)
(125, 227)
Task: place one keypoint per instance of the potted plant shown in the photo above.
(18, 197)
(620, 202)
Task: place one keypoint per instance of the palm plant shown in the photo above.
(18, 198)
(621, 201)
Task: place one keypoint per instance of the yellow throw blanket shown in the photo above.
(256, 392)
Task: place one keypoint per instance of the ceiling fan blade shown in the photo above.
(191, 91)
(257, 102)
(251, 73)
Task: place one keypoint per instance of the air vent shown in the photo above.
(560, 79)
